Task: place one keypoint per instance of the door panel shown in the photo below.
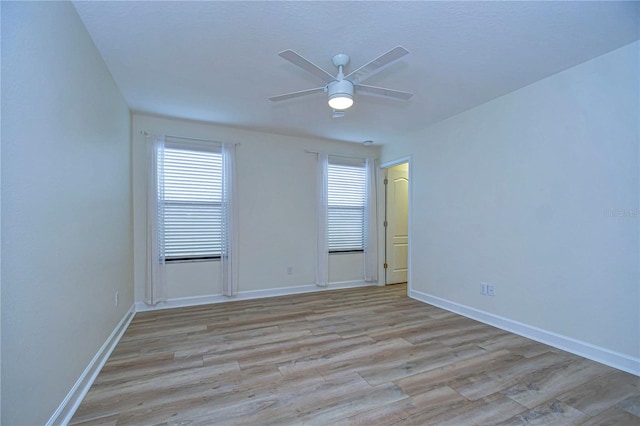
(397, 224)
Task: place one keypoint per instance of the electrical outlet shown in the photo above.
(117, 298)
(487, 289)
(289, 270)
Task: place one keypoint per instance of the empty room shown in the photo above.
(320, 212)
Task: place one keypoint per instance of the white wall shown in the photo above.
(518, 193)
(66, 207)
(277, 215)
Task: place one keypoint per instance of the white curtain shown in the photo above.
(322, 263)
(229, 266)
(156, 280)
(371, 224)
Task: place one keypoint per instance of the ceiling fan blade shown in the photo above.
(382, 92)
(306, 65)
(296, 94)
(375, 66)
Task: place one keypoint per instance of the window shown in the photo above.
(346, 200)
(191, 175)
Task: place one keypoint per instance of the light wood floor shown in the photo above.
(368, 356)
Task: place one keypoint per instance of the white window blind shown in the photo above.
(192, 201)
(346, 201)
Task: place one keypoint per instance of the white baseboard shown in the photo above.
(249, 294)
(72, 401)
(587, 350)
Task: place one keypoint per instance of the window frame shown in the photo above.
(192, 146)
(348, 163)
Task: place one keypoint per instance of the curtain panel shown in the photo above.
(371, 224)
(156, 279)
(322, 262)
(229, 257)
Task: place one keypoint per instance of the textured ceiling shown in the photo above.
(218, 61)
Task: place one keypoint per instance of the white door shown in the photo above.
(397, 229)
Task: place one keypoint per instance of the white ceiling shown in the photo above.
(218, 61)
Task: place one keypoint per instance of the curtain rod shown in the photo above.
(335, 155)
(145, 133)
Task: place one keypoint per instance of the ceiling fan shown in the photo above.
(340, 89)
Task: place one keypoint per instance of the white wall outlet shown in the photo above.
(117, 298)
(487, 289)
(289, 270)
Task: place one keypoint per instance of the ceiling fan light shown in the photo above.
(340, 101)
(340, 94)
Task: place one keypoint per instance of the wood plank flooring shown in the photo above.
(366, 356)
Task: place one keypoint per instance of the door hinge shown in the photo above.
(386, 181)
(386, 223)
(385, 266)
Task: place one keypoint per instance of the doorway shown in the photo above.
(396, 223)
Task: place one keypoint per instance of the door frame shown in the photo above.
(381, 228)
